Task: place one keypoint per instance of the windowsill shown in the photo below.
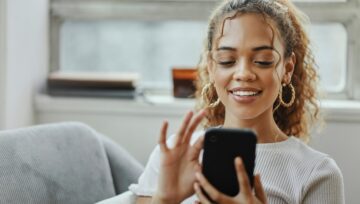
(333, 110)
(341, 110)
(149, 105)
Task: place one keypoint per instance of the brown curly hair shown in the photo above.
(295, 120)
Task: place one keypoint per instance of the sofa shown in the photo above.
(62, 163)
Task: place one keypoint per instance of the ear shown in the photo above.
(289, 68)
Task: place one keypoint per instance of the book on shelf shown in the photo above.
(121, 85)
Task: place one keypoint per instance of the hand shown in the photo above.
(245, 196)
(179, 163)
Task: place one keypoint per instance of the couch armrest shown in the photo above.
(125, 169)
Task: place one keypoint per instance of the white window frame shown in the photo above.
(346, 13)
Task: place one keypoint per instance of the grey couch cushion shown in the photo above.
(124, 168)
(62, 163)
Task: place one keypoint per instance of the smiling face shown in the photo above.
(248, 67)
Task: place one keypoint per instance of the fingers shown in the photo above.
(242, 177)
(197, 147)
(203, 199)
(162, 139)
(185, 132)
(193, 125)
(183, 128)
(259, 190)
(188, 127)
(209, 189)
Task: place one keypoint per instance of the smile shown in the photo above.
(245, 93)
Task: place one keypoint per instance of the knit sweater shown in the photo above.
(291, 172)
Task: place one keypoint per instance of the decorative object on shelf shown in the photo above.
(93, 84)
(184, 82)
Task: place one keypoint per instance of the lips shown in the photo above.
(245, 95)
(246, 91)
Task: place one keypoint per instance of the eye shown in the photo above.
(226, 63)
(264, 63)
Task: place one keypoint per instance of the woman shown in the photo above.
(256, 71)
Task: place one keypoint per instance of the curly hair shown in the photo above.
(295, 120)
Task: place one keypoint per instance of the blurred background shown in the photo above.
(111, 63)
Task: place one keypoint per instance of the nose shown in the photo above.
(244, 72)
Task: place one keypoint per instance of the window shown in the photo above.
(149, 37)
(151, 48)
(330, 52)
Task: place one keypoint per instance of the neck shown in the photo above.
(264, 126)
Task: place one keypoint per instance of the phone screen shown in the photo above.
(221, 147)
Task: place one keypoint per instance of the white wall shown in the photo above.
(26, 59)
(2, 61)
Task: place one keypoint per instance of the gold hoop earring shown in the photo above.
(216, 103)
(292, 100)
(204, 92)
(277, 106)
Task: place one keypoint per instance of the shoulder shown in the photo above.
(316, 160)
(323, 165)
(325, 182)
(323, 175)
(306, 152)
(299, 159)
(293, 150)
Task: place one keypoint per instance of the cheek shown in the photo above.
(274, 82)
(270, 81)
(222, 77)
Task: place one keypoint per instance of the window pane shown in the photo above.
(152, 48)
(330, 49)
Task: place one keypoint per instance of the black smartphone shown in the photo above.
(221, 147)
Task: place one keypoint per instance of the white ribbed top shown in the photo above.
(291, 172)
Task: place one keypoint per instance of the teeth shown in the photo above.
(245, 93)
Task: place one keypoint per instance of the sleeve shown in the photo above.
(147, 182)
(325, 184)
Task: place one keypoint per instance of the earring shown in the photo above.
(216, 103)
(292, 100)
(204, 93)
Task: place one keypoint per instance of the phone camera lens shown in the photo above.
(213, 138)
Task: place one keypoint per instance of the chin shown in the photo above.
(245, 114)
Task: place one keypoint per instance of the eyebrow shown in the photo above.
(226, 48)
(264, 47)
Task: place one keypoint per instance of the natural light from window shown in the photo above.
(153, 48)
